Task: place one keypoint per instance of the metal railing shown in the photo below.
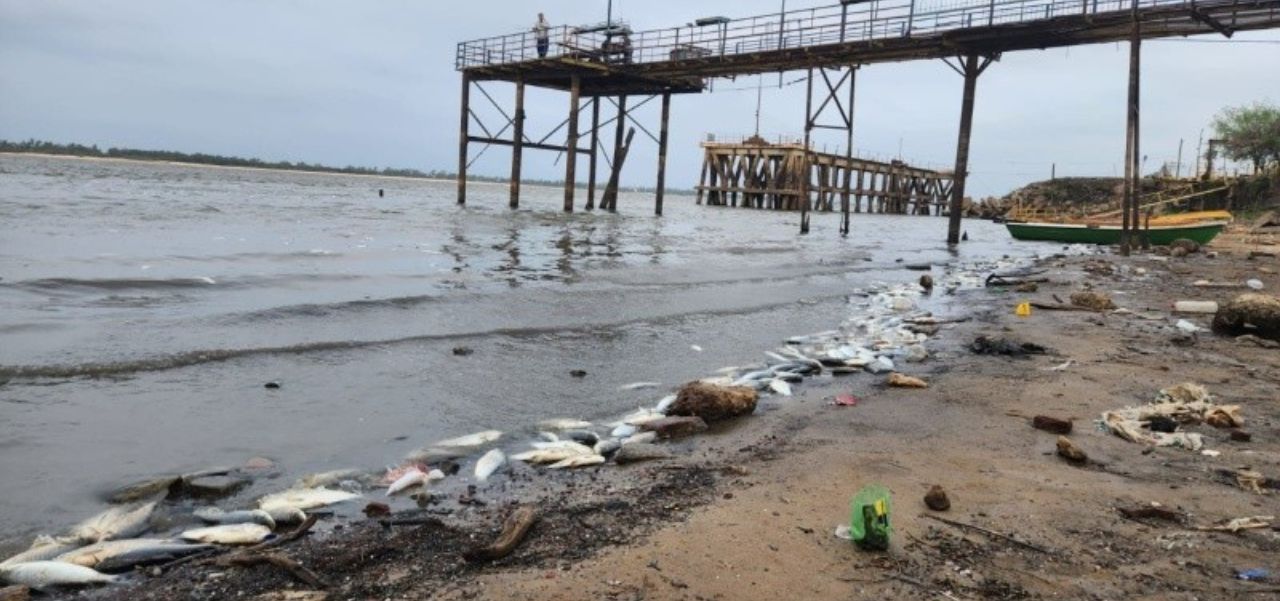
(874, 20)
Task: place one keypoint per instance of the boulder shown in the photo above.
(1257, 314)
(214, 487)
(640, 451)
(1093, 301)
(143, 490)
(673, 427)
(926, 282)
(713, 403)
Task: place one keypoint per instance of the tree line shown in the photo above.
(80, 150)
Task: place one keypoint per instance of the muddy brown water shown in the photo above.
(143, 307)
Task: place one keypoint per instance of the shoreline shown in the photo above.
(747, 509)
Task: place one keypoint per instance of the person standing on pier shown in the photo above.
(541, 33)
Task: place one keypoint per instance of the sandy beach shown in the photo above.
(749, 510)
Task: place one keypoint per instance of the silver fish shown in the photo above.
(471, 440)
(285, 514)
(490, 463)
(563, 423)
(639, 385)
(578, 461)
(213, 515)
(41, 575)
(305, 498)
(117, 522)
(330, 478)
(231, 534)
(114, 555)
(45, 548)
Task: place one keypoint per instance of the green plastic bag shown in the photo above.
(869, 522)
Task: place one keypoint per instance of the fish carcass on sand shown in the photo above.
(213, 515)
(45, 548)
(639, 385)
(304, 498)
(413, 477)
(780, 387)
(118, 522)
(490, 463)
(230, 534)
(471, 440)
(329, 478)
(563, 423)
(115, 555)
(41, 575)
(578, 461)
(553, 452)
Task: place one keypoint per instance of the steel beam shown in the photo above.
(571, 158)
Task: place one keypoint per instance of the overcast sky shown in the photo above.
(372, 83)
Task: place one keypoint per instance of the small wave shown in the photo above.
(115, 283)
(324, 310)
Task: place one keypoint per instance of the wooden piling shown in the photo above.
(804, 166)
(970, 72)
(517, 145)
(662, 153)
(618, 144)
(571, 157)
(462, 138)
(595, 151)
(1135, 120)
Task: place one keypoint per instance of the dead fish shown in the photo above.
(45, 548)
(696, 348)
(623, 431)
(114, 555)
(230, 534)
(553, 455)
(117, 522)
(571, 445)
(563, 423)
(585, 437)
(41, 575)
(471, 440)
(780, 387)
(304, 498)
(607, 447)
(788, 376)
(664, 403)
(412, 477)
(435, 454)
(639, 385)
(640, 416)
(490, 463)
(548, 437)
(213, 515)
(578, 461)
(330, 478)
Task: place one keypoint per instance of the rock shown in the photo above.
(1094, 301)
(214, 487)
(1241, 436)
(578, 373)
(926, 282)
(271, 385)
(936, 499)
(898, 380)
(984, 345)
(880, 365)
(17, 592)
(674, 427)
(259, 463)
(1069, 451)
(143, 490)
(1257, 314)
(713, 403)
(462, 351)
(1051, 424)
(1188, 245)
(585, 437)
(1027, 287)
(1178, 252)
(376, 510)
(640, 451)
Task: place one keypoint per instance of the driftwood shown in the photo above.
(996, 279)
(1057, 307)
(991, 533)
(514, 529)
(17, 592)
(295, 569)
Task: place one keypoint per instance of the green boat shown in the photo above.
(1201, 232)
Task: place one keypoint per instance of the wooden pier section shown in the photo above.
(609, 62)
(756, 174)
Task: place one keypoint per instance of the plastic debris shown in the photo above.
(1253, 574)
(869, 523)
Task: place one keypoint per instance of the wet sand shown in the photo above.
(748, 510)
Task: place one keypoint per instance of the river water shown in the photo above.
(143, 307)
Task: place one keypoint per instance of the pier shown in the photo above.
(609, 64)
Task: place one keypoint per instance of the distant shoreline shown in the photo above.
(329, 172)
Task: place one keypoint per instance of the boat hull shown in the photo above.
(1110, 234)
